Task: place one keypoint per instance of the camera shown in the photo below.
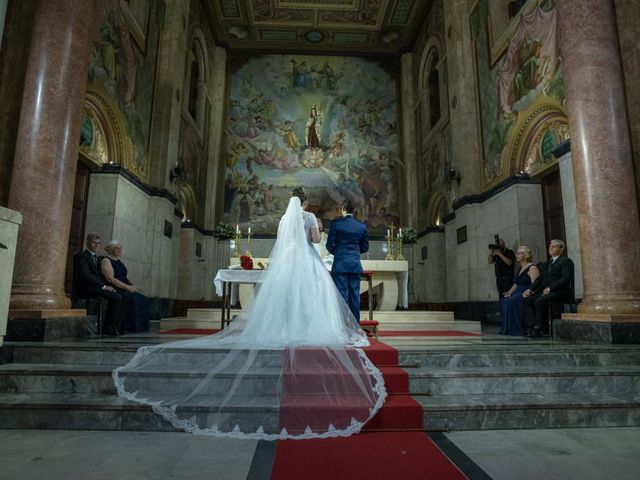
(496, 245)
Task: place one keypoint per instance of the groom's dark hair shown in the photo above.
(300, 193)
(348, 206)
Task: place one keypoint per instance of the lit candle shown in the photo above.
(249, 231)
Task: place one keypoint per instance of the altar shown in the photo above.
(390, 282)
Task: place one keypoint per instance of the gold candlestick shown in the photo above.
(236, 246)
(248, 252)
(389, 247)
(399, 256)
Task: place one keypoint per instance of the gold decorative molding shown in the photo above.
(111, 142)
(527, 149)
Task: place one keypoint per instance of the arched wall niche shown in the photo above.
(438, 207)
(432, 85)
(195, 79)
(187, 203)
(540, 129)
(103, 137)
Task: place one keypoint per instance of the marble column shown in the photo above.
(410, 156)
(602, 164)
(46, 156)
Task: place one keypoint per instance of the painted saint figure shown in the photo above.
(313, 129)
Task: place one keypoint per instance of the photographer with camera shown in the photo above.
(503, 260)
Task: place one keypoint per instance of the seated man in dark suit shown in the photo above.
(553, 284)
(88, 283)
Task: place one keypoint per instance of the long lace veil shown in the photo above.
(291, 367)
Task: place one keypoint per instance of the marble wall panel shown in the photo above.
(571, 219)
(515, 214)
(191, 269)
(429, 275)
(102, 194)
(9, 224)
(120, 210)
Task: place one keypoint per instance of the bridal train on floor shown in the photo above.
(292, 367)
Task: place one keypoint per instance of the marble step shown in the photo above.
(91, 411)
(99, 356)
(109, 412)
(413, 316)
(162, 377)
(74, 355)
(207, 318)
(542, 356)
(539, 357)
(440, 412)
(409, 327)
(529, 411)
(524, 380)
(97, 379)
(213, 314)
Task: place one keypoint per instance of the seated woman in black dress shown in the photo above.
(511, 308)
(115, 273)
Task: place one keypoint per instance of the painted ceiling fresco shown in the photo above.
(328, 26)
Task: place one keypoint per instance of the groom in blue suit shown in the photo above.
(348, 238)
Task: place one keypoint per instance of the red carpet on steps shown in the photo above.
(392, 445)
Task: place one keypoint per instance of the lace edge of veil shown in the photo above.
(189, 424)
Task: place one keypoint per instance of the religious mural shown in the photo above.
(122, 64)
(328, 124)
(433, 142)
(527, 75)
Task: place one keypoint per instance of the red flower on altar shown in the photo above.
(246, 262)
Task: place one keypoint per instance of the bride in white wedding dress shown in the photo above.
(292, 367)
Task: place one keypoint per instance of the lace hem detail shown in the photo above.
(189, 424)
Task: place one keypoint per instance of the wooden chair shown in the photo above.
(557, 308)
(93, 305)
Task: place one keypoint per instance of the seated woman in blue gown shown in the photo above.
(511, 308)
(115, 273)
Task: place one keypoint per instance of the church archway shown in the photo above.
(438, 208)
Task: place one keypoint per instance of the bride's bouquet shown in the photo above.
(246, 262)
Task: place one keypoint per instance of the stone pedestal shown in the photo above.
(603, 174)
(9, 224)
(50, 328)
(594, 328)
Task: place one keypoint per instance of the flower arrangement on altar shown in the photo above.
(246, 262)
(409, 236)
(223, 231)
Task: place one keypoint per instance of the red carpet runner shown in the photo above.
(391, 446)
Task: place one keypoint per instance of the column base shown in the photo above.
(51, 328)
(47, 313)
(598, 328)
(38, 297)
